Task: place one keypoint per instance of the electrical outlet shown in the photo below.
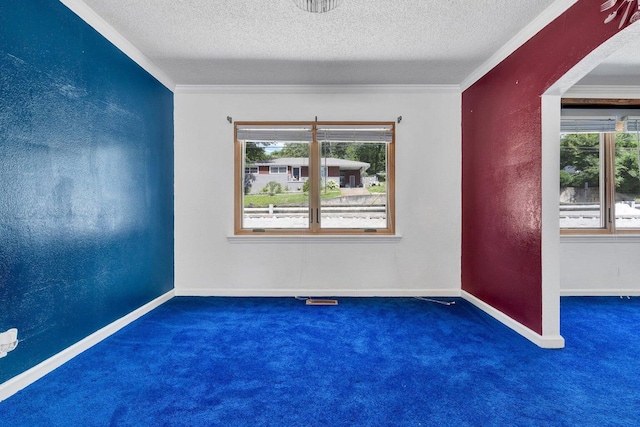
(8, 341)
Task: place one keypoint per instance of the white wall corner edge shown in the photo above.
(550, 341)
(20, 381)
(550, 247)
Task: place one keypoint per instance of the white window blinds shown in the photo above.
(274, 133)
(355, 133)
(632, 123)
(588, 124)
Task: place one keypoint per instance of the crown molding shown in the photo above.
(544, 340)
(89, 16)
(317, 89)
(604, 91)
(556, 9)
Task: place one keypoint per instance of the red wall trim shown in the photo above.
(502, 163)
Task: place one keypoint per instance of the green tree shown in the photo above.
(374, 154)
(293, 149)
(249, 179)
(255, 151)
(580, 162)
(566, 179)
(580, 158)
(627, 174)
(337, 150)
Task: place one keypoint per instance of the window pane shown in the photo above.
(276, 196)
(627, 214)
(581, 192)
(353, 185)
(278, 169)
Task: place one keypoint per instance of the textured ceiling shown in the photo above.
(360, 42)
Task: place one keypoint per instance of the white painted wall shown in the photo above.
(600, 265)
(551, 337)
(424, 261)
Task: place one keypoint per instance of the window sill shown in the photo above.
(315, 239)
(600, 238)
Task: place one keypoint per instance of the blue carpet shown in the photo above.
(365, 362)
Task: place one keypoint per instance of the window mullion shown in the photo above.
(391, 166)
(610, 181)
(314, 183)
(239, 165)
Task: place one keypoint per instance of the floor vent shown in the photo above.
(322, 302)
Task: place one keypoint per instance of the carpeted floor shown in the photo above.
(365, 362)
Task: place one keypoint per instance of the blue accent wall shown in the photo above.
(86, 182)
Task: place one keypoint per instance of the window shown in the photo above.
(277, 169)
(599, 175)
(338, 178)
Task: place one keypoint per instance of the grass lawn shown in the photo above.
(284, 199)
(380, 188)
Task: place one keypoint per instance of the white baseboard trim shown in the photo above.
(544, 341)
(17, 383)
(230, 292)
(600, 292)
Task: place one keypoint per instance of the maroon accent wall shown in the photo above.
(502, 163)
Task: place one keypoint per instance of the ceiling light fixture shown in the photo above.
(317, 6)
